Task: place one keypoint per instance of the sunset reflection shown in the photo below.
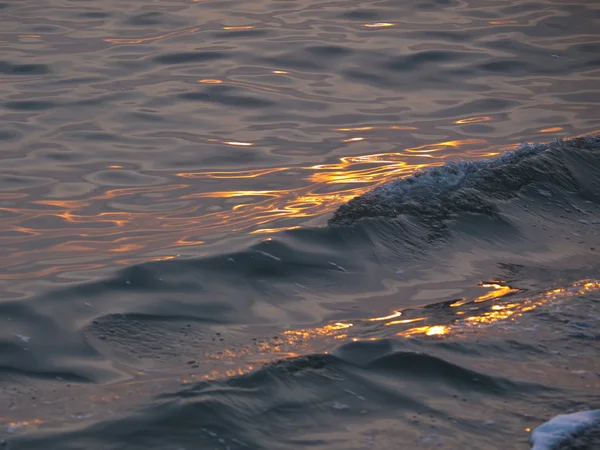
(97, 234)
(378, 25)
(503, 312)
(117, 225)
(498, 310)
(473, 120)
(493, 308)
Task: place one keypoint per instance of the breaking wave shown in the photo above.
(557, 168)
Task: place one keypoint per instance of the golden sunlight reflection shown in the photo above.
(391, 316)
(378, 25)
(64, 229)
(473, 120)
(551, 130)
(273, 230)
(11, 427)
(428, 148)
(472, 315)
(294, 342)
(436, 330)
(244, 27)
(239, 144)
(498, 291)
(503, 312)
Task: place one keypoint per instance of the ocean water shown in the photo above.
(291, 224)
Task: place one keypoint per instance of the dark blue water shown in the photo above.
(183, 261)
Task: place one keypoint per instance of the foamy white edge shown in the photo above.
(550, 434)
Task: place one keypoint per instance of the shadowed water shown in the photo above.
(183, 261)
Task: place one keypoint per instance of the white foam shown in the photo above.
(548, 435)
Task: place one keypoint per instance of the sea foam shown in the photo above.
(565, 429)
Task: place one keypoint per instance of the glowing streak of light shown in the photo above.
(473, 120)
(274, 230)
(391, 316)
(245, 27)
(404, 321)
(239, 144)
(378, 25)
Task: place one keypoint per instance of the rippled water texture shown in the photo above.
(147, 130)
(210, 236)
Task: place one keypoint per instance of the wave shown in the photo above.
(376, 260)
(556, 168)
(289, 403)
(307, 276)
(576, 431)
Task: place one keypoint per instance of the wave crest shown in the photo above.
(476, 186)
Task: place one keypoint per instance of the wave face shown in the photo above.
(454, 308)
(479, 186)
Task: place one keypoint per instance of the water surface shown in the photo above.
(169, 169)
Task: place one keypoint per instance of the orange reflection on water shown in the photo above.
(11, 427)
(404, 321)
(273, 230)
(302, 341)
(244, 27)
(429, 148)
(291, 343)
(499, 291)
(234, 175)
(391, 316)
(378, 25)
(295, 342)
(239, 144)
(551, 130)
(504, 312)
(436, 330)
(327, 330)
(54, 228)
(473, 120)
